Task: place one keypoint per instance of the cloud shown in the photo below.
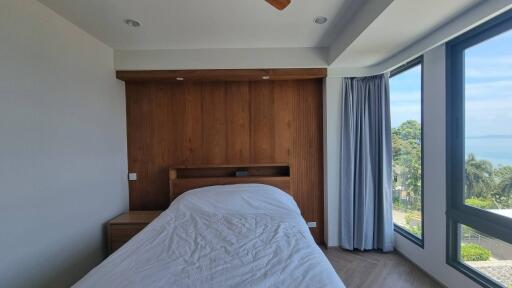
(402, 113)
(488, 67)
(397, 97)
(491, 59)
(489, 116)
(500, 89)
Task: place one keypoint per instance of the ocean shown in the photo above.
(497, 149)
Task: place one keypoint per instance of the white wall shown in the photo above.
(62, 147)
(176, 59)
(332, 138)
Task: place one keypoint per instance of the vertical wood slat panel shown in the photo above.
(138, 111)
(193, 124)
(262, 122)
(284, 92)
(238, 123)
(214, 122)
(307, 152)
(135, 129)
(226, 123)
(175, 126)
(162, 153)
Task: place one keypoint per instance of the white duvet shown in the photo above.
(247, 235)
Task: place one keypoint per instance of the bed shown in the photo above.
(238, 235)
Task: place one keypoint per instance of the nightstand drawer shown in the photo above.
(125, 232)
(114, 245)
(122, 228)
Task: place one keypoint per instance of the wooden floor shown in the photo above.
(374, 269)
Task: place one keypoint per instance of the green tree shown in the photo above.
(409, 131)
(503, 192)
(479, 178)
(407, 160)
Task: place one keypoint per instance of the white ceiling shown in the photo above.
(400, 25)
(359, 33)
(185, 24)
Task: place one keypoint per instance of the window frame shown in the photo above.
(401, 231)
(457, 212)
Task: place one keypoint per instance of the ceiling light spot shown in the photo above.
(266, 77)
(132, 23)
(320, 19)
(180, 78)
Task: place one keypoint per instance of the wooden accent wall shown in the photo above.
(242, 122)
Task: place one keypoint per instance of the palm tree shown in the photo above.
(479, 175)
(504, 176)
(506, 186)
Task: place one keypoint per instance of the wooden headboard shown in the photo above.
(184, 178)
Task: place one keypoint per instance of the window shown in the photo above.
(479, 152)
(486, 254)
(407, 139)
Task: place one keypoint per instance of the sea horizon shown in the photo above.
(495, 148)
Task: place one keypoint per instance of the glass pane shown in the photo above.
(405, 98)
(488, 125)
(488, 255)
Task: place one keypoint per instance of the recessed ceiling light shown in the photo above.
(266, 77)
(132, 23)
(320, 19)
(180, 78)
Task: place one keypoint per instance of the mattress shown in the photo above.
(246, 235)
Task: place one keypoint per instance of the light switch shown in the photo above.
(132, 176)
(311, 224)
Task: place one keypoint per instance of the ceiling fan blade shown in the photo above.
(279, 4)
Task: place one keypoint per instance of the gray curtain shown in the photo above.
(366, 171)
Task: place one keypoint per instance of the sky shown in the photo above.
(488, 94)
(405, 96)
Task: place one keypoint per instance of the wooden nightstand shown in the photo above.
(125, 226)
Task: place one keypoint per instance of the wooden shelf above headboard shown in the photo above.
(184, 178)
(229, 165)
(222, 75)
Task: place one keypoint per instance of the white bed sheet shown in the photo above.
(247, 235)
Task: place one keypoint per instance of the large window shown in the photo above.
(406, 123)
(479, 152)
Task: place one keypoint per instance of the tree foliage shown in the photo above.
(474, 252)
(487, 186)
(504, 182)
(482, 203)
(407, 160)
(479, 177)
(485, 183)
